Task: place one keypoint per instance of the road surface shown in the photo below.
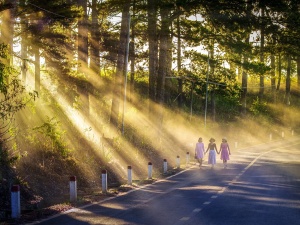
(261, 186)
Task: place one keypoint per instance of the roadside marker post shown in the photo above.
(165, 166)
(73, 189)
(178, 161)
(104, 181)
(282, 134)
(270, 137)
(129, 172)
(187, 159)
(15, 202)
(149, 170)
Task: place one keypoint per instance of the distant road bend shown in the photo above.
(261, 186)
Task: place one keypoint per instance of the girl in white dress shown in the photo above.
(199, 151)
(212, 156)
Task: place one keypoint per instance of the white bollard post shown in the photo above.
(178, 162)
(165, 166)
(236, 144)
(15, 202)
(187, 158)
(73, 189)
(149, 170)
(270, 137)
(282, 134)
(129, 175)
(104, 181)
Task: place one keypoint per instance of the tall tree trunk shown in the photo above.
(163, 63)
(212, 72)
(7, 28)
(239, 73)
(163, 55)
(118, 77)
(273, 68)
(262, 43)
(153, 51)
(288, 81)
(37, 68)
(24, 57)
(245, 58)
(244, 82)
(273, 74)
(233, 69)
(213, 104)
(180, 81)
(83, 57)
(168, 82)
(244, 88)
(95, 40)
(192, 99)
(273, 77)
(24, 45)
(279, 72)
(132, 51)
(83, 37)
(298, 71)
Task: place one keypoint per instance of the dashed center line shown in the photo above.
(197, 210)
(234, 180)
(223, 189)
(185, 218)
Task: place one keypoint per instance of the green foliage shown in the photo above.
(258, 107)
(141, 82)
(257, 67)
(49, 136)
(13, 97)
(6, 159)
(228, 107)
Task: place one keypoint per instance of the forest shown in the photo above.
(87, 85)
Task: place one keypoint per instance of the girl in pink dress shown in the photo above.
(199, 151)
(225, 151)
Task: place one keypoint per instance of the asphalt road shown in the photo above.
(261, 186)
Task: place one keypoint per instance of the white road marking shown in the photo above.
(197, 210)
(185, 218)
